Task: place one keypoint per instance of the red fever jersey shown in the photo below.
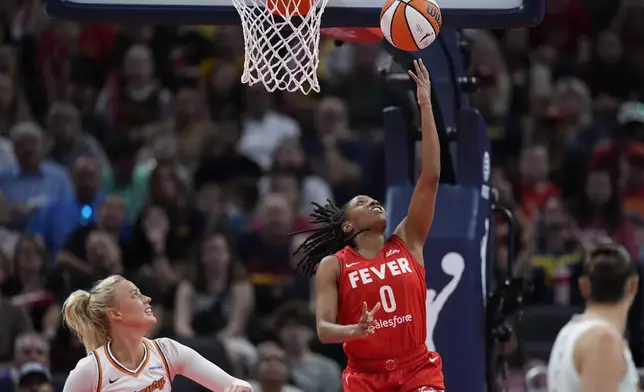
(396, 280)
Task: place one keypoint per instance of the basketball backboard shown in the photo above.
(339, 13)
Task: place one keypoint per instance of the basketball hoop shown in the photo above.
(282, 41)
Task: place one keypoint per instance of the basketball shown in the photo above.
(410, 25)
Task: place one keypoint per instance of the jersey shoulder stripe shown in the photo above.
(163, 358)
(99, 369)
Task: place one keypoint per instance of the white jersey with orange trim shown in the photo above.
(164, 358)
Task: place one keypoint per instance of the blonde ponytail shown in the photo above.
(85, 313)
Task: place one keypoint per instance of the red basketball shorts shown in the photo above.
(420, 372)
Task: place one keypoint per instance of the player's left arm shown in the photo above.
(187, 362)
(414, 229)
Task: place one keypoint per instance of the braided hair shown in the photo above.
(327, 238)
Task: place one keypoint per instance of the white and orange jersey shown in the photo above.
(164, 358)
(152, 374)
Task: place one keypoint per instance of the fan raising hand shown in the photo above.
(424, 85)
(364, 326)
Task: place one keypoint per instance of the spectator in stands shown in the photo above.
(289, 184)
(31, 183)
(74, 253)
(13, 106)
(68, 142)
(571, 98)
(7, 156)
(223, 94)
(211, 202)
(609, 75)
(263, 128)
(27, 287)
(190, 125)
(291, 157)
(536, 187)
(265, 252)
(30, 348)
(121, 179)
(15, 321)
(219, 302)
(169, 202)
(339, 154)
(236, 173)
(155, 244)
(8, 237)
(634, 179)
(628, 24)
(309, 371)
(35, 377)
(134, 98)
(556, 251)
(58, 218)
(161, 152)
(272, 372)
(599, 210)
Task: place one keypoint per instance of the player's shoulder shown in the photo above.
(600, 340)
(86, 369)
(167, 346)
(396, 242)
(328, 268)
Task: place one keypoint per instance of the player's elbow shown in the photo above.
(325, 332)
(323, 336)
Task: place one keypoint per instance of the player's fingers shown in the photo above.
(375, 309)
(424, 70)
(413, 76)
(422, 66)
(417, 66)
(364, 314)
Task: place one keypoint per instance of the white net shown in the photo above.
(282, 41)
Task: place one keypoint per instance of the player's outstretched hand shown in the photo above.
(364, 326)
(423, 83)
(239, 386)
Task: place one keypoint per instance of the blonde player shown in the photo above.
(111, 321)
(590, 353)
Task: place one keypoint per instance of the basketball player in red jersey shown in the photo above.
(360, 270)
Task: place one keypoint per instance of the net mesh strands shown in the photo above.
(282, 41)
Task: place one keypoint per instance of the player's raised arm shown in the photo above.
(187, 362)
(599, 358)
(326, 307)
(414, 229)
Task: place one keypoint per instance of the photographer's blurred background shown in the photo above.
(136, 150)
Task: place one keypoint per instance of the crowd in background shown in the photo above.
(135, 150)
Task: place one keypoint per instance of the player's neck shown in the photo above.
(369, 244)
(615, 315)
(128, 349)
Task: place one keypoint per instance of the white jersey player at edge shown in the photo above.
(590, 353)
(111, 320)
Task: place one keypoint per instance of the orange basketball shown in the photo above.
(411, 25)
(288, 8)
